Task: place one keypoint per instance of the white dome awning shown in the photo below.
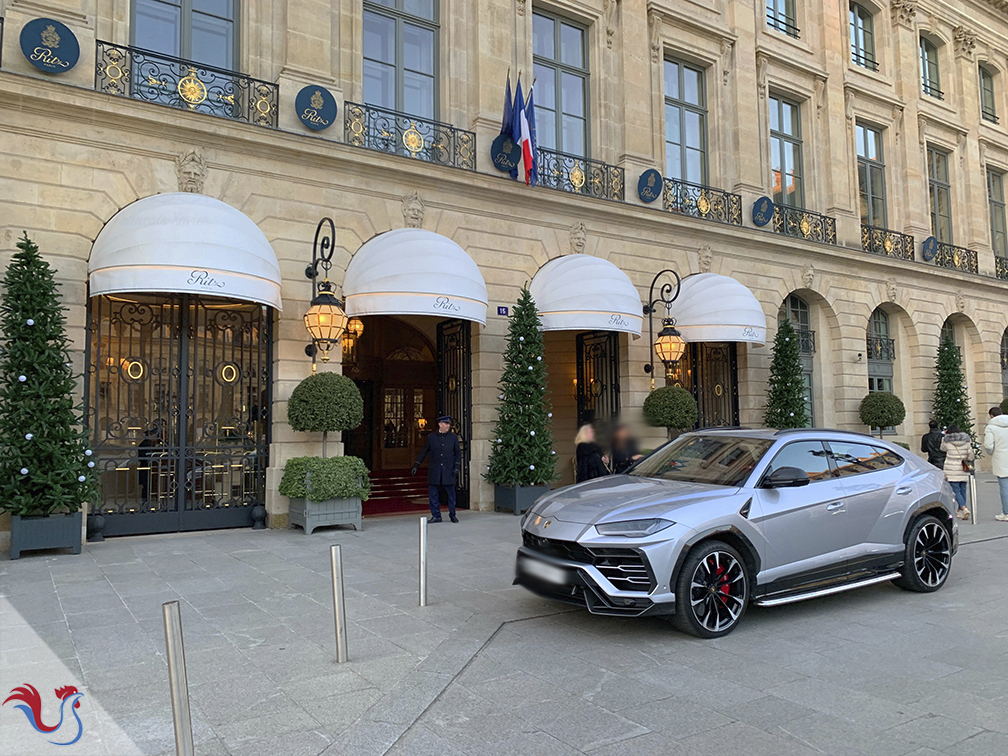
(584, 293)
(711, 307)
(184, 243)
(410, 271)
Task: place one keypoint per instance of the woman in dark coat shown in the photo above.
(590, 461)
(624, 450)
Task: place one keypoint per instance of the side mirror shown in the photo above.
(786, 477)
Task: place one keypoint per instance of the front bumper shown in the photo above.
(583, 584)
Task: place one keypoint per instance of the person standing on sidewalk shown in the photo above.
(443, 469)
(958, 455)
(996, 444)
(931, 445)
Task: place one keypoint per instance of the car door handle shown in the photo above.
(834, 506)
(903, 490)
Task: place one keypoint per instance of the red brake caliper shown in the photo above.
(724, 580)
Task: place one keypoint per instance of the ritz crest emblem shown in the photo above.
(316, 100)
(50, 38)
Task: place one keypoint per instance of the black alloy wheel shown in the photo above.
(712, 591)
(927, 558)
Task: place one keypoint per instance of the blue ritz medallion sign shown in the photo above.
(929, 249)
(505, 153)
(762, 211)
(316, 107)
(49, 45)
(649, 185)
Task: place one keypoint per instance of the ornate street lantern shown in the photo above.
(325, 320)
(670, 345)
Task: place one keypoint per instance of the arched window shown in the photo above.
(881, 355)
(862, 37)
(948, 331)
(929, 69)
(987, 107)
(796, 309)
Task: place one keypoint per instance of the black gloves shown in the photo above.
(413, 471)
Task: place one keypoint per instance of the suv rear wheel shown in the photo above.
(927, 558)
(712, 591)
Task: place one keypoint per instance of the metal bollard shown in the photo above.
(973, 498)
(339, 606)
(177, 678)
(423, 561)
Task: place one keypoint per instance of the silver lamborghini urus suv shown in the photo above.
(716, 519)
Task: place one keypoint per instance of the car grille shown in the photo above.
(624, 568)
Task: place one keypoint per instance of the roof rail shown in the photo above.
(786, 431)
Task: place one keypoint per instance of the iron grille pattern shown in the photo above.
(806, 340)
(782, 23)
(956, 258)
(626, 569)
(397, 133)
(1001, 267)
(579, 175)
(882, 241)
(598, 388)
(454, 391)
(881, 348)
(702, 202)
(153, 77)
(804, 224)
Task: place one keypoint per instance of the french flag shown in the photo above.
(526, 143)
(518, 117)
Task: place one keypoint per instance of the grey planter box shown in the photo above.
(314, 514)
(516, 499)
(62, 531)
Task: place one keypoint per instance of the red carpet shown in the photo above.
(396, 492)
(392, 506)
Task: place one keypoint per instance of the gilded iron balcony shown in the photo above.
(881, 348)
(806, 340)
(956, 258)
(702, 202)
(184, 84)
(579, 175)
(882, 241)
(1001, 267)
(804, 224)
(383, 130)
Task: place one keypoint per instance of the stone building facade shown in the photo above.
(866, 123)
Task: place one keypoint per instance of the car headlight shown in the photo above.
(633, 528)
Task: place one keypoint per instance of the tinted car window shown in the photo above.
(856, 458)
(718, 460)
(809, 456)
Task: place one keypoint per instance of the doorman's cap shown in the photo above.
(444, 419)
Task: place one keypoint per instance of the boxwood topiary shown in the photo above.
(881, 409)
(321, 479)
(325, 402)
(670, 407)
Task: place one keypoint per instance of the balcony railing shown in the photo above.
(780, 22)
(956, 258)
(804, 224)
(988, 114)
(579, 175)
(863, 60)
(702, 202)
(881, 348)
(1001, 267)
(882, 241)
(932, 90)
(153, 77)
(806, 340)
(397, 133)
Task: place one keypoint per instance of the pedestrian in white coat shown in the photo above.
(958, 455)
(996, 445)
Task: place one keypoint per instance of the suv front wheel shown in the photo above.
(712, 591)
(927, 558)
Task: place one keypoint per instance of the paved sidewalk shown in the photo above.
(487, 668)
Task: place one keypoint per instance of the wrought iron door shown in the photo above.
(454, 390)
(716, 388)
(598, 390)
(178, 403)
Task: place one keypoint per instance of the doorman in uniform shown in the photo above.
(443, 468)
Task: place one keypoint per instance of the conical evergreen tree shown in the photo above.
(46, 466)
(951, 400)
(522, 447)
(786, 388)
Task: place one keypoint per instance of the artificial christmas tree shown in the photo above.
(47, 471)
(951, 401)
(522, 460)
(786, 389)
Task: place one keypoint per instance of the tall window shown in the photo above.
(203, 31)
(781, 16)
(400, 56)
(881, 355)
(786, 152)
(797, 311)
(862, 37)
(987, 107)
(996, 200)
(1004, 364)
(685, 123)
(939, 193)
(871, 176)
(948, 332)
(929, 69)
(560, 64)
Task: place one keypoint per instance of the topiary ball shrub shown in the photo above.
(325, 402)
(881, 409)
(671, 407)
(322, 479)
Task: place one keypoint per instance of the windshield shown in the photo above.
(718, 460)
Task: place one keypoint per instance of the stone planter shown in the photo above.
(314, 514)
(61, 531)
(517, 499)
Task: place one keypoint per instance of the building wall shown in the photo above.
(73, 157)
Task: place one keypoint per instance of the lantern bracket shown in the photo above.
(668, 292)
